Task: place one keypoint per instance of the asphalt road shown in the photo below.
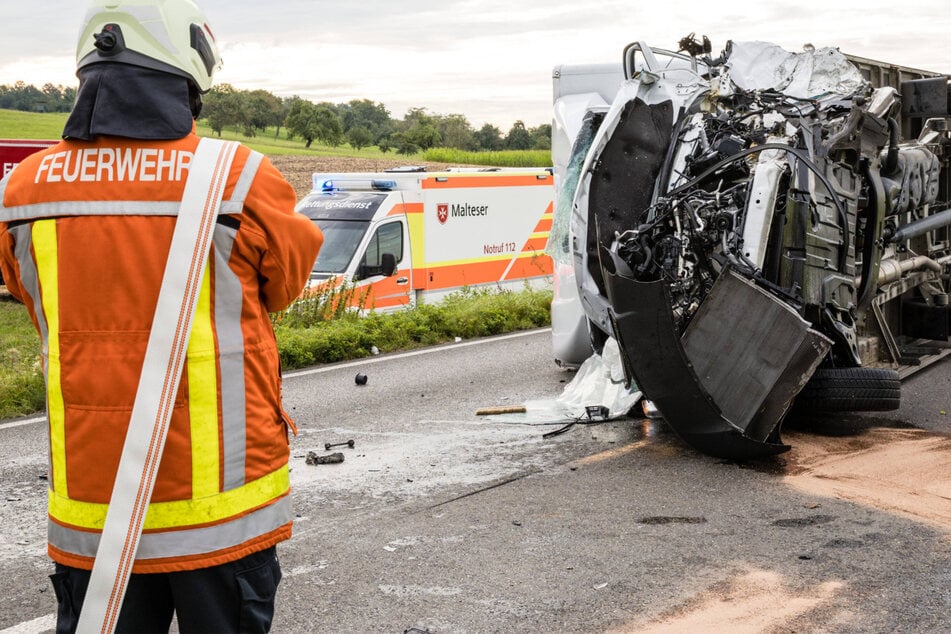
(440, 520)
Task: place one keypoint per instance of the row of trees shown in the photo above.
(49, 98)
(360, 123)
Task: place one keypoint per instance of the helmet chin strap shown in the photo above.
(194, 100)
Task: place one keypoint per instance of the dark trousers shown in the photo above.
(233, 597)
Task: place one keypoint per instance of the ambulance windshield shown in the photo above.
(341, 239)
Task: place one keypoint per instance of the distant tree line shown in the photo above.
(49, 98)
(359, 122)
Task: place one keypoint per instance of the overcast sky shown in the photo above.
(490, 60)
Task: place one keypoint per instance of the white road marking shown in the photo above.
(22, 423)
(412, 353)
(36, 626)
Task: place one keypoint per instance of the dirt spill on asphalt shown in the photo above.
(903, 471)
(736, 606)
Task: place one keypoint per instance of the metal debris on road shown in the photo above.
(313, 458)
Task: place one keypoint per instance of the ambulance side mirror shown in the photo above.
(388, 264)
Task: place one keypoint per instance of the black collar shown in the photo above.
(130, 101)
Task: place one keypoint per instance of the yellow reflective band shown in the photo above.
(416, 234)
(203, 398)
(45, 250)
(182, 513)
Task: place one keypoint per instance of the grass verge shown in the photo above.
(21, 375)
(311, 336)
(467, 314)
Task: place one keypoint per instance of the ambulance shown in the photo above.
(408, 236)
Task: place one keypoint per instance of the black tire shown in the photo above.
(851, 390)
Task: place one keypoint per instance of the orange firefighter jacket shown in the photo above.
(85, 229)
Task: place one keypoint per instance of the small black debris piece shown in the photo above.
(334, 458)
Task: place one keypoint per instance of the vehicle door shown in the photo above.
(385, 267)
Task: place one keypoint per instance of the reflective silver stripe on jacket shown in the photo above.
(228, 297)
(182, 543)
(30, 280)
(30, 277)
(243, 186)
(3, 189)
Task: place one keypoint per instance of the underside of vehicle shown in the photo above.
(753, 227)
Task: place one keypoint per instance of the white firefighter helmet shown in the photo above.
(167, 35)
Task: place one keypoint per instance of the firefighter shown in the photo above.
(85, 232)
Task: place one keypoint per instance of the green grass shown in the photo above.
(31, 125)
(311, 336)
(21, 376)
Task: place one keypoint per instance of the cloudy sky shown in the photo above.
(490, 60)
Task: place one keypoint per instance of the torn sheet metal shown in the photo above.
(657, 359)
(807, 75)
(752, 353)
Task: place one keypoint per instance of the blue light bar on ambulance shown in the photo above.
(332, 186)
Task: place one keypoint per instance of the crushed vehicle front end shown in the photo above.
(740, 225)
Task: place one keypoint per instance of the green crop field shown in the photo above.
(503, 158)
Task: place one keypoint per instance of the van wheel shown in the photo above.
(851, 390)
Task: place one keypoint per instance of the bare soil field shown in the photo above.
(298, 169)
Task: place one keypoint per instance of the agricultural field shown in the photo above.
(294, 160)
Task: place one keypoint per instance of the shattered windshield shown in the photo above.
(341, 239)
